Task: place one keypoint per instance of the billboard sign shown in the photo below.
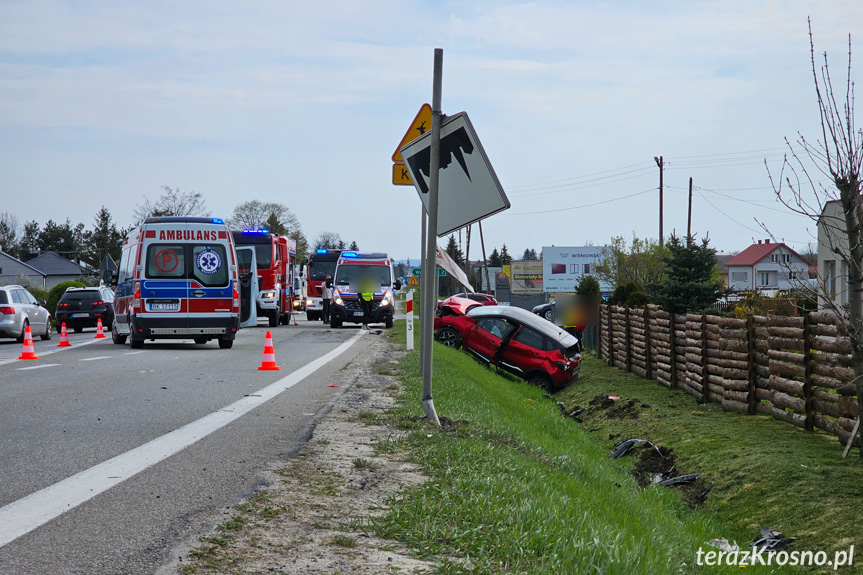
(526, 278)
(563, 266)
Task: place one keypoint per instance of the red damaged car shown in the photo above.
(512, 339)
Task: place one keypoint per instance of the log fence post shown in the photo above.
(705, 388)
(807, 377)
(647, 354)
(628, 341)
(751, 399)
(673, 348)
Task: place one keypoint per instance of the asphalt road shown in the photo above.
(76, 408)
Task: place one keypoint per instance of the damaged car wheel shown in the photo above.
(449, 336)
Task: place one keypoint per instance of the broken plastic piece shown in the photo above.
(724, 545)
(680, 479)
(624, 446)
(772, 541)
(701, 495)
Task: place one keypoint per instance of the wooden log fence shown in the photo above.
(794, 369)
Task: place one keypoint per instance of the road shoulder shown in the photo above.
(306, 516)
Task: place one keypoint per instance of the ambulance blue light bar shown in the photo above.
(259, 231)
(218, 221)
(321, 251)
(350, 255)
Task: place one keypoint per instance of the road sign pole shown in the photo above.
(422, 285)
(409, 313)
(429, 297)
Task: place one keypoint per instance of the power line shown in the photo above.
(580, 177)
(582, 206)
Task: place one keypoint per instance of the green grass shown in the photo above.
(778, 475)
(517, 488)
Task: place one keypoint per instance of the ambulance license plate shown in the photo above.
(163, 305)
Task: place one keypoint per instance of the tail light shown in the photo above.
(7, 310)
(97, 303)
(62, 305)
(236, 297)
(136, 299)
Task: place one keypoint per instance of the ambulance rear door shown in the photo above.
(247, 270)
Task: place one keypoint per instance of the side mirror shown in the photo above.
(43, 303)
(398, 284)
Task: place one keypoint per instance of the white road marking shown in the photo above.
(42, 352)
(95, 358)
(40, 366)
(132, 352)
(26, 514)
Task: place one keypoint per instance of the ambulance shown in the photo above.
(177, 279)
(346, 305)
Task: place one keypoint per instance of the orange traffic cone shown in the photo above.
(29, 352)
(64, 337)
(99, 333)
(269, 361)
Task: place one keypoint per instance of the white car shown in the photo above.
(18, 309)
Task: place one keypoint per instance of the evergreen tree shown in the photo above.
(526, 254)
(355, 247)
(533, 255)
(454, 251)
(8, 232)
(274, 225)
(494, 259)
(64, 240)
(505, 258)
(691, 282)
(29, 243)
(104, 239)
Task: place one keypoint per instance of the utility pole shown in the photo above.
(689, 214)
(660, 164)
(429, 275)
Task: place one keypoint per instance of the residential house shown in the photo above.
(832, 269)
(11, 268)
(767, 266)
(57, 269)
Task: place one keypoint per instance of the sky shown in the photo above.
(302, 103)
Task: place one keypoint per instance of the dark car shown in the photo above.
(84, 307)
(545, 310)
(512, 339)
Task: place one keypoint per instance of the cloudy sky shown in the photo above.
(303, 103)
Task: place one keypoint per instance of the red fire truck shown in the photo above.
(275, 260)
(322, 263)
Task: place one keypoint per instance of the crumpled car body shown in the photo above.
(512, 339)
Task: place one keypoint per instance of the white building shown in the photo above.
(767, 266)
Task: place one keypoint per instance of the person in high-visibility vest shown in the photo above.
(366, 295)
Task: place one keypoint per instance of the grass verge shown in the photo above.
(517, 488)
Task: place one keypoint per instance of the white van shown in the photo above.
(177, 279)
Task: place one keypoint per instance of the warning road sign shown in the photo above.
(401, 176)
(413, 281)
(420, 125)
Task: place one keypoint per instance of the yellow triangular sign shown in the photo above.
(420, 125)
(413, 281)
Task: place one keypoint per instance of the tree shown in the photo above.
(691, 282)
(355, 247)
(588, 288)
(838, 155)
(505, 258)
(29, 243)
(454, 251)
(328, 240)
(8, 232)
(494, 259)
(172, 202)
(276, 217)
(640, 262)
(64, 240)
(103, 240)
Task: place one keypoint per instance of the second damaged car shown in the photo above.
(512, 339)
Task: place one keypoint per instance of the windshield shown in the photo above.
(318, 271)
(349, 275)
(263, 256)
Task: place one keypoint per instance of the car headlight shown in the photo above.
(268, 295)
(310, 302)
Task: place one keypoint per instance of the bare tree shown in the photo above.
(172, 202)
(276, 217)
(330, 240)
(838, 156)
